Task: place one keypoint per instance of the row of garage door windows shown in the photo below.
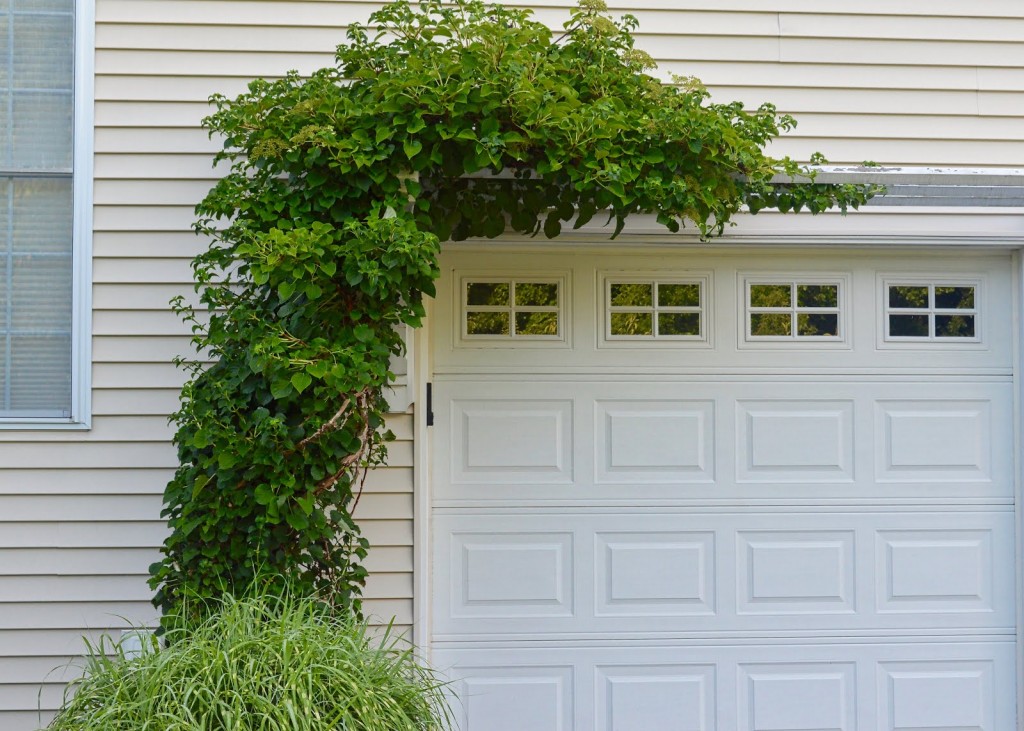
(805, 309)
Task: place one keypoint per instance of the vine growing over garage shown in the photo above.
(443, 122)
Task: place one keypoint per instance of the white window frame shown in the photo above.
(701, 278)
(938, 279)
(813, 342)
(81, 241)
(461, 306)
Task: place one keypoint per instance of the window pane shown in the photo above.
(954, 298)
(908, 326)
(487, 293)
(679, 295)
(43, 51)
(817, 295)
(632, 295)
(40, 378)
(42, 130)
(537, 323)
(905, 296)
(632, 323)
(679, 323)
(765, 324)
(41, 215)
(536, 294)
(56, 6)
(770, 295)
(487, 323)
(818, 325)
(954, 326)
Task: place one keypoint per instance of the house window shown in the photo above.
(639, 309)
(931, 311)
(38, 285)
(498, 308)
(794, 309)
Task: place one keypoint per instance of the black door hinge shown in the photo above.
(430, 404)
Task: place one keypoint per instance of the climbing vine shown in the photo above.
(445, 122)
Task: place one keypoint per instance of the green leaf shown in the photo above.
(654, 156)
(363, 333)
(264, 495)
(412, 148)
(301, 380)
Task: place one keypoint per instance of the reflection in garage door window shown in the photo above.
(501, 308)
(931, 311)
(648, 309)
(784, 309)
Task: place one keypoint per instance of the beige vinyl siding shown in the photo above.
(79, 511)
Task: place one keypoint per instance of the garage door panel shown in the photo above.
(933, 686)
(606, 574)
(541, 441)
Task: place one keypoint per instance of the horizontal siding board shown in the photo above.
(67, 480)
(105, 430)
(775, 75)
(53, 669)
(138, 323)
(280, 13)
(29, 455)
(903, 152)
(385, 610)
(159, 140)
(383, 585)
(172, 88)
(145, 271)
(114, 296)
(142, 219)
(78, 562)
(898, 53)
(152, 113)
(384, 532)
(135, 402)
(24, 719)
(98, 534)
(854, 101)
(890, 27)
(136, 375)
(154, 245)
(189, 63)
(884, 126)
(381, 506)
(51, 615)
(74, 589)
(115, 349)
(56, 643)
(147, 167)
(79, 508)
(64, 480)
(31, 696)
(151, 193)
(389, 558)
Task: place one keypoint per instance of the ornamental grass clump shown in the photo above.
(277, 664)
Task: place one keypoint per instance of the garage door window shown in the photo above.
(790, 310)
(931, 311)
(648, 309)
(521, 309)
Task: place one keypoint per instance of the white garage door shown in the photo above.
(688, 491)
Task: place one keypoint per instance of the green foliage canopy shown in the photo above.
(450, 121)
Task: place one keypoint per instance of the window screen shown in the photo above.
(36, 206)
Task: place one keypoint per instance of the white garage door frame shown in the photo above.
(1006, 235)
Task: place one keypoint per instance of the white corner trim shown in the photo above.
(81, 319)
(419, 376)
